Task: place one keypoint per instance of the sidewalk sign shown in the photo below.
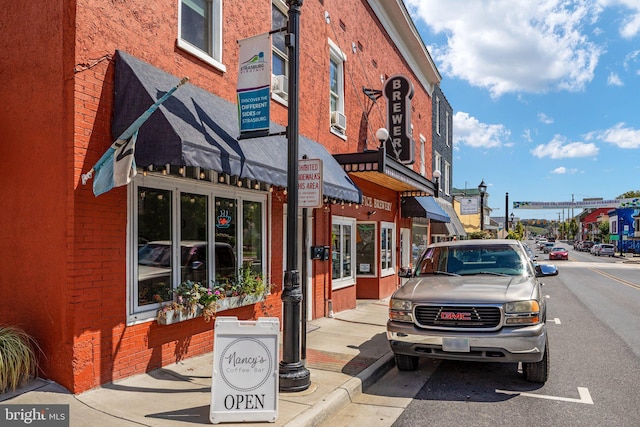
(244, 382)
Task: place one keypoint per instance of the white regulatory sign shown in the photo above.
(309, 183)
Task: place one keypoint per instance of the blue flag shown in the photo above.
(117, 165)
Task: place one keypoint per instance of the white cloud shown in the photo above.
(623, 137)
(527, 135)
(511, 46)
(614, 80)
(470, 131)
(545, 119)
(562, 170)
(559, 148)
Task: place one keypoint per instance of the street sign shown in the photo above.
(309, 183)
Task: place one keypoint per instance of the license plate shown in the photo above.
(458, 345)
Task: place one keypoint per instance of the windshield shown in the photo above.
(473, 259)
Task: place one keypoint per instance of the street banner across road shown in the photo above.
(615, 203)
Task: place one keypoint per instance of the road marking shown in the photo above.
(616, 279)
(585, 397)
(555, 320)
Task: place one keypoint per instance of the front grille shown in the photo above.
(458, 316)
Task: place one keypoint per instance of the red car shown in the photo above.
(558, 253)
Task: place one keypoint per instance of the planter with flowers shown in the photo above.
(193, 299)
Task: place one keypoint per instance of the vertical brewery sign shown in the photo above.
(244, 386)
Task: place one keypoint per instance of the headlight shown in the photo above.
(400, 310)
(522, 313)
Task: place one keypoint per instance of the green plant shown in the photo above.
(18, 361)
(250, 282)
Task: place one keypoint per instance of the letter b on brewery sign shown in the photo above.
(398, 91)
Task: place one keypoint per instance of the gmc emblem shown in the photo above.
(448, 315)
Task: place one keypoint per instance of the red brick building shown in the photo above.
(77, 72)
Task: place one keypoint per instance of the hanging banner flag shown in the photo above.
(615, 203)
(117, 165)
(254, 83)
(398, 90)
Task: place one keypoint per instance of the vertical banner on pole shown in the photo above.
(254, 83)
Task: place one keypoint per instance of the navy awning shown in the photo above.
(196, 128)
(423, 207)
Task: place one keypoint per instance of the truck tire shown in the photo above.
(406, 363)
(538, 372)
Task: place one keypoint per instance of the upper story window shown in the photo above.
(336, 88)
(437, 112)
(447, 178)
(446, 128)
(200, 30)
(423, 167)
(279, 56)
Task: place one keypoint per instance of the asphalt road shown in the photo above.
(594, 331)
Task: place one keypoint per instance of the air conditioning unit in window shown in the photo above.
(339, 120)
(280, 85)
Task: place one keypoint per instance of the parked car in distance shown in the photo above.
(472, 300)
(594, 248)
(606, 249)
(558, 252)
(586, 246)
(547, 247)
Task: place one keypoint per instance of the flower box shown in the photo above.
(239, 301)
(171, 316)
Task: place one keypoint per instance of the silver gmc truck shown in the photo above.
(476, 300)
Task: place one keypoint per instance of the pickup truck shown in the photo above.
(476, 300)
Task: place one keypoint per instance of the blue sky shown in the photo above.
(545, 95)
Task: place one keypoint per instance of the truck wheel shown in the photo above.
(406, 363)
(537, 372)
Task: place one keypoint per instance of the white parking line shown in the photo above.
(555, 320)
(585, 396)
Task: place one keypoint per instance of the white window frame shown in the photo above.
(340, 57)
(423, 161)
(139, 314)
(446, 128)
(282, 6)
(213, 58)
(447, 178)
(349, 280)
(376, 245)
(437, 166)
(437, 115)
(389, 227)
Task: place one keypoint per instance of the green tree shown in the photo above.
(573, 228)
(604, 231)
(629, 194)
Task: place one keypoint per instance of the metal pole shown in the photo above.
(506, 212)
(481, 211)
(293, 375)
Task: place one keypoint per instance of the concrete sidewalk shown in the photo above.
(344, 355)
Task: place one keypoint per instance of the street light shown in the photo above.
(482, 188)
(436, 175)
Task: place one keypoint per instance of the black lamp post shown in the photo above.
(482, 188)
(294, 376)
(436, 175)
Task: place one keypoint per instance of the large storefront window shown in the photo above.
(366, 249)
(387, 248)
(343, 252)
(218, 230)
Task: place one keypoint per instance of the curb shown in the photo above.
(343, 395)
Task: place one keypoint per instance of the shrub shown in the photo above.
(18, 359)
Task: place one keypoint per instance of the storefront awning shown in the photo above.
(455, 227)
(423, 207)
(196, 128)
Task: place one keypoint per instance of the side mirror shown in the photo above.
(544, 270)
(405, 272)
